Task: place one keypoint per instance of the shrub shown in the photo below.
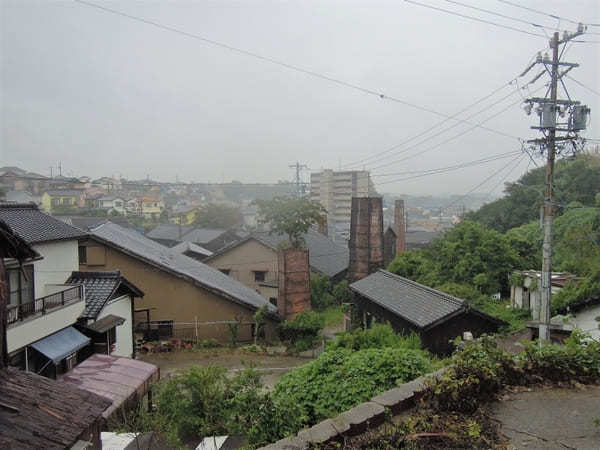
(379, 336)
(208, 343)
(302, 332)
(341, 379)
(320, 292)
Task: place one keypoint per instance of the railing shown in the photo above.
(44, 304)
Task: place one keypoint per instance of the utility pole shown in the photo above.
(300, 187)
(548, 109)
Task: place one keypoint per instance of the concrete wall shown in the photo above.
(121, 307)
(586, 320)
(60, 259)
(244, 259)
(35, 328)
(172, 297)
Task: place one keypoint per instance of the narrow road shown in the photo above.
(551, 419)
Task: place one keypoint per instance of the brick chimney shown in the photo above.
(322, 227)
(294, 283)
(366, 237)
(400, 226)
(3, 318)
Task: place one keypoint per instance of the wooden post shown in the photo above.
(3, 318)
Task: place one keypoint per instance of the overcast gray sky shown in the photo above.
(107, 95)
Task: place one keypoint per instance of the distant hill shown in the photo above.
(576, 180)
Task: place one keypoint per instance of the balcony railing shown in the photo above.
(45, 304)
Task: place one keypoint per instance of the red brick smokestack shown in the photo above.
(322, 227)
(294, 283)
(366, 237)
(3, 317)
(400, 227)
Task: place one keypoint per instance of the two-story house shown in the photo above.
(149, 207)
(42, 308)
(62, 199)
(112, 203)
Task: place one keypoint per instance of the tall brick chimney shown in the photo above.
(3, 317)
(366, 237)
(294, 283)
(322, 227)
(400, 226)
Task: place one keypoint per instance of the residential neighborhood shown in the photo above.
(299, 225)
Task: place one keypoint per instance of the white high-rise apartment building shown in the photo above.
(334, 190)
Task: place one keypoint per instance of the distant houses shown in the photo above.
(212, 239)
(253, 260)
(408, 306)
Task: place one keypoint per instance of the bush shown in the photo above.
(379, 336)
(572, 293)
(302, 332)
(208, 343)
(341, 379)
(320, 292)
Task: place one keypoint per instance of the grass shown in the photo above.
(515, 317)
(332, 316)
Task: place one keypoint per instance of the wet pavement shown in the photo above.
(551, 418)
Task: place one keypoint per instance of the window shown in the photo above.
(273, 300)
(225, 271)
(112, 335)
(67, 201)
(82, 254)
(259, 275)
(20, 285)
(55, 201)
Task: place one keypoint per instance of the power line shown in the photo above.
(424, 132)
(494, 13)
(510, 170)
(452, 117)
(449, 168)
(481, 184)
(553, 16)
(582, 85)
(456, 136)
(445, 130)
(465, 16)
(268, 59)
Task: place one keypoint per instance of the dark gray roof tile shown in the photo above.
(34, 226)
(418, 304)
(146, 249)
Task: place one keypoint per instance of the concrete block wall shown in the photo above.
(294, 283)
(360, 418)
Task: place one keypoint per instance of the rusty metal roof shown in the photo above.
(122, 380)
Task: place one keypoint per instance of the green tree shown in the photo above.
(214, 215)
(292, 216)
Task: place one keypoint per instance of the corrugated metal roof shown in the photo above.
(418, 304)
(146, 249)
(61, 344)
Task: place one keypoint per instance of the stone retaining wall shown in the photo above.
(360, 418)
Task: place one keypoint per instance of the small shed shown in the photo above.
(122, 380)
(408, 306)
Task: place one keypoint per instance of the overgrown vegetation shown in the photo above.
(379, 336)
(452, 413)
(213, 215)
(302, 332)
(325, 295)
(573, 293)
(291, 216)
(340, 379)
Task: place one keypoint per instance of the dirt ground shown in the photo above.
(271, 367)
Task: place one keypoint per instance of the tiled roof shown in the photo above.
(101, 287)
(34, 226)
(183, 247)
(168, 231)
(139, 246)
(64, 192)
(41, 413)
(203, 235)
(87, 222)
(420, 305)
(326, 256)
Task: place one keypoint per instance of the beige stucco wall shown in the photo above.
(246, 258)
(171, 297)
